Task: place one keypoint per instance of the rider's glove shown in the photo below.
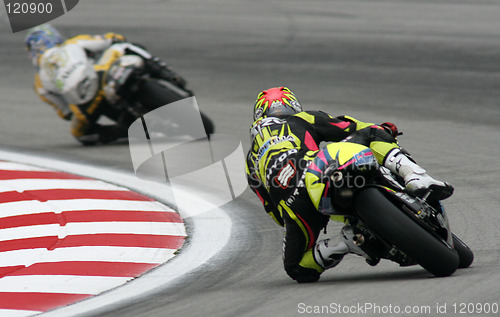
(68, 116)
(391, 128)
(115, 37)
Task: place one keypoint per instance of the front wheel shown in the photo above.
(464, 252)
(153, 94)
(398, 229)
(207, 123)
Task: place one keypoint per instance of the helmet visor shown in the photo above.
(278, 109)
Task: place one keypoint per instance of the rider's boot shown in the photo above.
(417, 181)
(328, 255)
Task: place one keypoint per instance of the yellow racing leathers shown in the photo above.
(276, 166)
(84, 116)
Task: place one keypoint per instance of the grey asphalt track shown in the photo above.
(432, 67)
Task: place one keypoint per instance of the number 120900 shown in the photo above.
(28, 7)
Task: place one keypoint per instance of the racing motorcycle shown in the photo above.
(133, 83)
(136, 83)
(388, 222)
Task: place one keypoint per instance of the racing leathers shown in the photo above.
(276, 165)
(85, 115)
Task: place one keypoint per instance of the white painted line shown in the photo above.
(29, 232)
(86, 253)
(13, 166)
(21, 257)
(17, 313)
(74, 228)
(28, 207)
(158, 228)
(41, 184)
(103, 204)
(67, 284)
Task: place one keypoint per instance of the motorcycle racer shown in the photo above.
(70, 75)
(285, 139)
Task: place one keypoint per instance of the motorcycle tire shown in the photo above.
(152, 95)
(398, 229)
(464, 252)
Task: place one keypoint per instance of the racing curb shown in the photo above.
(209, 233)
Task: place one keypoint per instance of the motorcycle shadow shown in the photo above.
(406, 274)
(338, 278)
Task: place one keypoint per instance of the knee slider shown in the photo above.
(302, 274)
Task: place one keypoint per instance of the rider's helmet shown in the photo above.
(276, 102)
(41, 38)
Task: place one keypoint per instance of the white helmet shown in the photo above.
(68, 71)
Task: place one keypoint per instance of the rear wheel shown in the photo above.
(398, 229)
(152, 94)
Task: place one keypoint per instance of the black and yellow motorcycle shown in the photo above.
(345, 180)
